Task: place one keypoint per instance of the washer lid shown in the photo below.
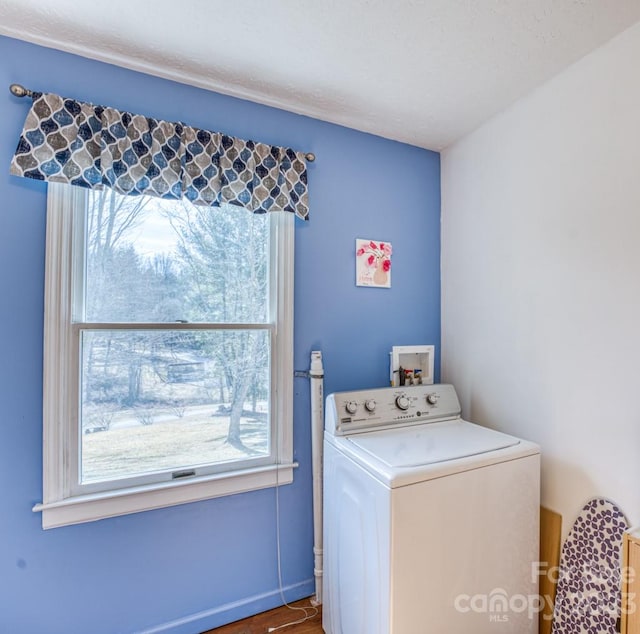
(430, 443)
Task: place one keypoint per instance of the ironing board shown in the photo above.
(588, 595)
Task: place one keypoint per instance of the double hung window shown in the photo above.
(168, 353)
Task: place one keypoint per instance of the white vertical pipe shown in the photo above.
(316, 375)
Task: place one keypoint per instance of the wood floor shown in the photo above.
(260, 623)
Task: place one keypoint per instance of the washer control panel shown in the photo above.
(366, 410)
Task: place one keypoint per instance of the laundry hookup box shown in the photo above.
(411, 365)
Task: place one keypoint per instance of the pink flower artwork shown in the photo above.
(373, 263)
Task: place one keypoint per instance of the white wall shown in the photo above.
(541, 276)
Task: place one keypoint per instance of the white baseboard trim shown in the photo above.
(234, 611)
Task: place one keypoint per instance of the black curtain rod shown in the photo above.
(21, 91)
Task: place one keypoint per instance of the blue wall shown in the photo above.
(188, 568)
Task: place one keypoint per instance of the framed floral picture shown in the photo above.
(373, 263)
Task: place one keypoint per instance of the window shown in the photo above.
(168, 353)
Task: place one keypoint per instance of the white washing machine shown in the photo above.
(431, 523)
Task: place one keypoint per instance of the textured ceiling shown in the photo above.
(425, 72)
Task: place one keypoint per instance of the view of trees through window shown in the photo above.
(175, 339)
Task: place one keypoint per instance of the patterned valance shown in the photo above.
(91, 146)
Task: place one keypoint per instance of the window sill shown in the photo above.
(88, 508)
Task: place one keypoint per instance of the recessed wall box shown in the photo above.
(416, 363)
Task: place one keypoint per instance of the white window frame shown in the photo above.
(60, 505)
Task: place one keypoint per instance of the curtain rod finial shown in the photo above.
(310, 156)
(19, 91)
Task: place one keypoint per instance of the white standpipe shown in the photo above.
(316, 374)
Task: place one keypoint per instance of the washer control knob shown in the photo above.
(351, 407)
(432, 398)
(402, 402)
(370, 405)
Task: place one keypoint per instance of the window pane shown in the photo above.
(152, 260)
(166, 399)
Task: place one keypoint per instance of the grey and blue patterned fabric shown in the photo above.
(68, 141)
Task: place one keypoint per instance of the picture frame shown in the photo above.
(373, 263)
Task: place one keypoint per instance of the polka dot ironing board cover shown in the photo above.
(588, 594)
